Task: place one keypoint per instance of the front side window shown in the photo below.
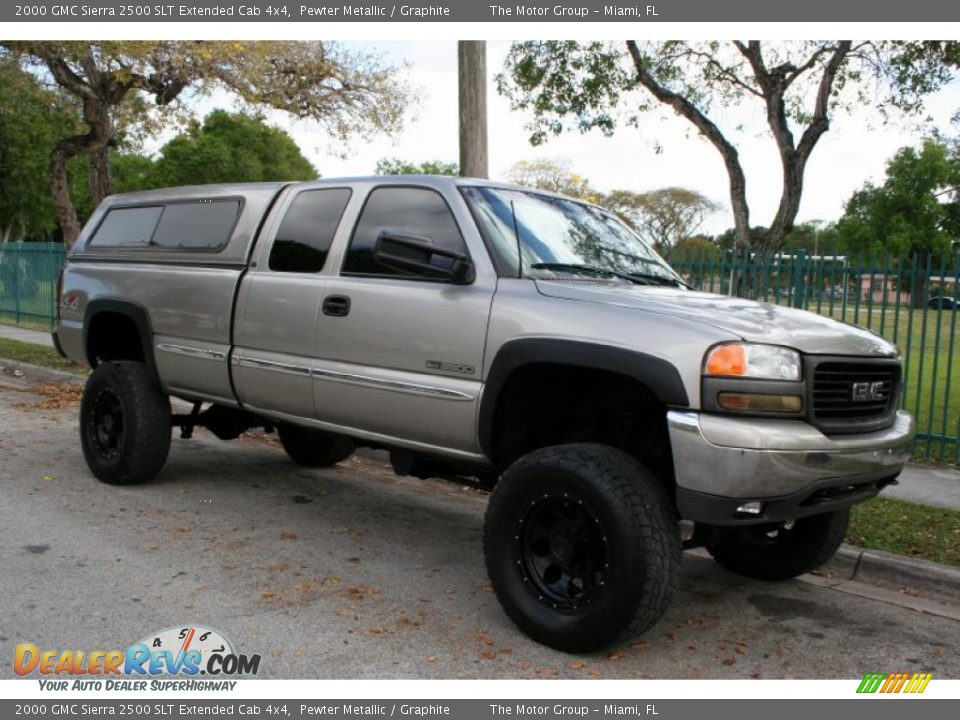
(416, 212)
(306, 233)
(542, 236)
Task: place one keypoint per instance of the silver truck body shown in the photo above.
(414, 363)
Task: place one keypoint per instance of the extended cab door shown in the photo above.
(279, 300)
(400, 356)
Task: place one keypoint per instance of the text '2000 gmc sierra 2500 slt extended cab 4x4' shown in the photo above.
(529, 342)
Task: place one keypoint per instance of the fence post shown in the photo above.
(16, 287)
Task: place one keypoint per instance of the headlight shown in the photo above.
(766, 362)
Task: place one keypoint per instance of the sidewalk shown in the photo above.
(927, 485)
(921, 484)
(35, 337)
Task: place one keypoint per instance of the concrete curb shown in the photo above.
(937, 582)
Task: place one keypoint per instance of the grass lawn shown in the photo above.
(905, 529)
(37, 355)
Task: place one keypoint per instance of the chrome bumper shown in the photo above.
(793, 469)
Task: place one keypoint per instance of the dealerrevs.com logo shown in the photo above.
(154, 663)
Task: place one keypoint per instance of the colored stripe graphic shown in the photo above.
(894, 683)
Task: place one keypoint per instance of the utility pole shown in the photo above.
(472, 64)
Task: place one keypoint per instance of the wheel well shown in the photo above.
(113, 336)
(544, 404)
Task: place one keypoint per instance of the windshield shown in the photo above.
(559, 238)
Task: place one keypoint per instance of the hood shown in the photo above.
(752, 321)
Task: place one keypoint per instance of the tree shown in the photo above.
(552, 176)
(800, 87)
(913, 213)
(396, 166)
(31, 120)
(662, 217)
(130, 171)
(230, 148)
(120, 84)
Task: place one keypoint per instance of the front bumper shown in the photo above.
(721, 463)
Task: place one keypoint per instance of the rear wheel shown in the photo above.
(779, 551)
(124, 423)
(582, 546)
(313, 448)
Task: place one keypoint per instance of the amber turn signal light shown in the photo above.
(727, 360)
(750, 402)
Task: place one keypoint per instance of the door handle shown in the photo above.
(336, 305)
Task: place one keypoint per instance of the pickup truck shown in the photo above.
(520, 340)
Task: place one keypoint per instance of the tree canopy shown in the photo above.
(125, 85)
(229, 147)
(663, 217)
(552, 175)
(914, 211)
(800, 87)
(32, 119)
(396, 166)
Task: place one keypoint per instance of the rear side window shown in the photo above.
(127, 226)
(307, 229)
(405, 210)
(192, 225)
(206, 224)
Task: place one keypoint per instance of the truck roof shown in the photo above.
(228, 189)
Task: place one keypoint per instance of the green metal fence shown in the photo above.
(28, 282)
(914, 304)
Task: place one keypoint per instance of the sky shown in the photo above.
(664, 151)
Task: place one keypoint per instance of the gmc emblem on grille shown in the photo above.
(867, 391)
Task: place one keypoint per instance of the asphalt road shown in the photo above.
(353, 572)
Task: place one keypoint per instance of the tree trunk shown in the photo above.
(63, 208)
(98, 175)
(472, 57)
(94, 143)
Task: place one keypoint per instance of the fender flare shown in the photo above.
(659, 375)
(135, 312)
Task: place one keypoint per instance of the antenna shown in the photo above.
(516, 234)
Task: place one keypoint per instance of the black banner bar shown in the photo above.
(324, 709)
(589, 11)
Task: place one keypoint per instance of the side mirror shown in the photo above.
(418, 255)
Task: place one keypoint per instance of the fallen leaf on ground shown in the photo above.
(576, 665)
(488, 654)
(288, 536)
(485, 639)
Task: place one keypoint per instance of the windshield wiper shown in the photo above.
(637, 278)
(661, 279)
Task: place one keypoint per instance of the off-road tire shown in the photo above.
(135, 446)
(641, 541)
(313, 448)
(753, 552)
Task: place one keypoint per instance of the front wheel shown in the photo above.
(779, 551)
(582, 546)
(124, 424)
